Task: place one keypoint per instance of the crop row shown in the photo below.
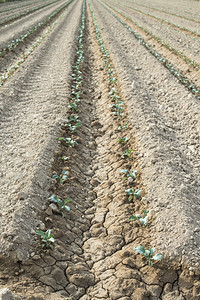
(173, 25)
(159, 40)
(178, 74)
(14, 67)
(24, 13)
(71, 126)
(117, 109)
(40, 25)
(166, 12)
(17, 6)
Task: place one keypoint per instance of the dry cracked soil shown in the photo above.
(93, 254)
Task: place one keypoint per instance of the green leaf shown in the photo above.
(132, 218)
(158, 256)
(54, 198)
(66, 207)
(124, 171)
(140, 249)
(137, 193)
(144, 221)
(40, 232)
(55, 176)
(129, 191)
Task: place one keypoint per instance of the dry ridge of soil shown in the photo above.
(93, 256)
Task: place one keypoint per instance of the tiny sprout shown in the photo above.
(142, 219)
(73, 127)
(123, 140)
(69, 142)
(63, 177)
(148, 254)
(127, 153)
(47, 238)
(131, 176)
(133, 193)
(62, 204)
(74, 119)
(72, 106)
(64, 158)
(123, 127)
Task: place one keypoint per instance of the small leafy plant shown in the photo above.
(74, 119)
(62, 178)
(127, 153)
(72, 128)
(130, 176)
(64, 158)
(133, 193)
(148, 254)
(62, 204)
(142, 219)
(73, 106)
(123, 140)
(69, 142)
(123, 127)
(47, 238)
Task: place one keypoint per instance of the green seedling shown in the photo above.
(69, 142)
(47, 238)
(148, 254)
(64, 158)
(123, 140)
(74, 119)
(62, 204)
(130, 176)
(62, 178)
(142, 219)
(133, 193)
(72, 128)
(123, 127)
(73, 106)
(127, 153)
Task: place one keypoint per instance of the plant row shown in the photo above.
(71, 126)
(17, 6)
(167, 12)
(40, 25)
(159, 40)
(24, 13)
(13, 68)
(178, 74)
(117, 110)
(166, 22)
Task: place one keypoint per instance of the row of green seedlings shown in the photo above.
(17, 6)
(24, 13)
(177, 74)
(166, 22)
(117, 109)
(166, 12)
(158, 39)
(13, 68)
(40, 25)
(48, 238)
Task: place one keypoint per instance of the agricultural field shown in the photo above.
(100, 150)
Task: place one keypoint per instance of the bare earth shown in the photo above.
(93, 256)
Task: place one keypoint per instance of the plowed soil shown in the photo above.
(93, 255)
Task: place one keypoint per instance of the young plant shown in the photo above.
(47, 238)
(62, 204)
(64, 158)
(130, 176)
(127, 153)
(73, 106)
(133, 193)
(123, 127)
(72, 128)
(69, 142)
(123, 140)
(142, 219)
(62, 178)
(75, 119)
(148, 254)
